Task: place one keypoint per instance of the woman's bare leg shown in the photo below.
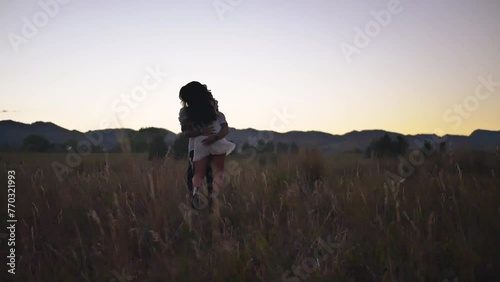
(217, 163)
(200, 168)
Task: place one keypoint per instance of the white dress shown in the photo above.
(219, 147)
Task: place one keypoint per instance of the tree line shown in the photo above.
(153, 141)
(150, 140)
(387, 147)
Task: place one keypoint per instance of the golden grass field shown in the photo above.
(123, 222)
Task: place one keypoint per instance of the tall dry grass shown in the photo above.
(119, 220)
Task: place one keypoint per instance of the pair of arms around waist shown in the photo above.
(206, 131)
(190, 131)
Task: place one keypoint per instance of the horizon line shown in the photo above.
(250, 128)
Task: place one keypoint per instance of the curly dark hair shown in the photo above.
(199, 103)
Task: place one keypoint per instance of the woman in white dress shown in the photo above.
(200, 111)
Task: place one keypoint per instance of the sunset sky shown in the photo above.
(425, 66)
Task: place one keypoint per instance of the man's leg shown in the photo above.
(210, 180)
(190, 173)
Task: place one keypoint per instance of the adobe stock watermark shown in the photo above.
(471, 103)
(279, 121)
(456, 114)
(311, 264)
(49, 9)
(120, 107)
(363, 36)
(224, 6)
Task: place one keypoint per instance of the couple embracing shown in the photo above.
(206, 127)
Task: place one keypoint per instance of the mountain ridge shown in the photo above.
(12, 133)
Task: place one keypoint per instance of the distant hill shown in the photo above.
(12, 134)
(484, 139)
